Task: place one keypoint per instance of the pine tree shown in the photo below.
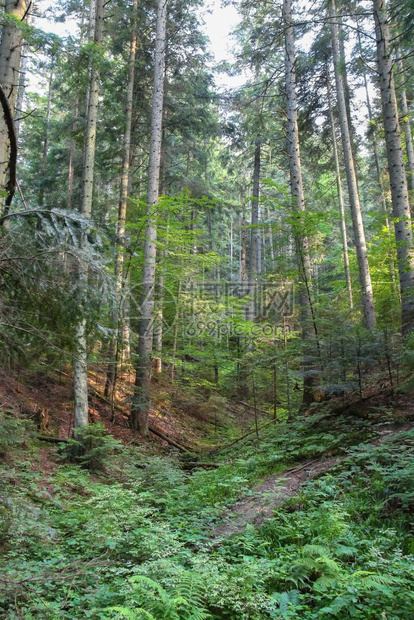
(142, 391)
(357, 221)
(80, 371)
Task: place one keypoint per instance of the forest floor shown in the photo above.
(178, 413)
(152, 530)
(264, 499)
(47, 399)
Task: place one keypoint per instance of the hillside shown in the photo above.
(310, 519)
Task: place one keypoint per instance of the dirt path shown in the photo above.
(259, 506)
(256, 508)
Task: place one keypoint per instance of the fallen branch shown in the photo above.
(51, 439)
(152, 429)
(218, 450)
(158, 433)
(252, 408)
(294, 470)
(193, 465)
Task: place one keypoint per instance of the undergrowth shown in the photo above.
(134, 540)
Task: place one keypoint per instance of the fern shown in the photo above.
(182, 601)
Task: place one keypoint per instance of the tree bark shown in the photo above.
(255, 254)
(373, 137)
(45, 148)
(405, 119)
(22, 82)
(255, 247)
(396, 168)
(10, 57)
(159, 314)
(341, 201)
(243, 235)
(142, 390)
(80, 374)
(117, 312)
(309, 328)
(357, 222)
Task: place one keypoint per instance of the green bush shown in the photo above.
(90, 447)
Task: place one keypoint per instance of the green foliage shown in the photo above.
(136, 542)
(182, 601)
(90, 447)
(12, 431)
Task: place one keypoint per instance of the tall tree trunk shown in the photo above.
(72, 141)
(309, 329)
(45, 148)
(357, 222)
(383, 196)
(347, 90)
(122, 212)
(80, 374)
(270, 235)
(10, 57)
(22, 82)
(243, 235)
(142, 391)
(341, 201)
(396, 169)
(71, 164)
(373, 136)
(255, 245)
(159, 314)
(405, 114)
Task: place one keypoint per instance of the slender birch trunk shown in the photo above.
(341, 201)
(357, 222)
(396, 168)
(80, 371)
(122, 213)
(10, 58)
(309, 329)
(142, 391)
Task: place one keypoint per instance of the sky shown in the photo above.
(219, 22)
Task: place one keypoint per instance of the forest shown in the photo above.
(206, 310)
